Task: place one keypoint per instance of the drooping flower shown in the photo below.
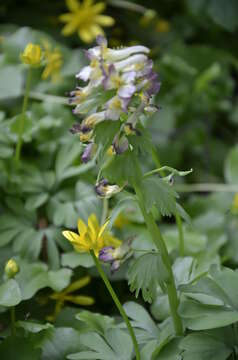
(86, 19)
(116, 256)
(105, 190)
(32, 55)
(67, 296)
(88, 153)
(53, 60)
(92, 237)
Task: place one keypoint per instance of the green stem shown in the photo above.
(13, 319)
(180, 231)
(22, 119)
(160, 244)
(117, 302)
(104, 211)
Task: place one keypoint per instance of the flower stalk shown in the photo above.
(117, 303)
(22, 119)
(160, 244)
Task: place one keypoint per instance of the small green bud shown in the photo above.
(11, 268)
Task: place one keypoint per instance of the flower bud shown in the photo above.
(88, 152)
(31, 55)
(11, 268)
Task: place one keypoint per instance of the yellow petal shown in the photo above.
(110, 240)
(69, 29)
(104, 20)
(103, 228)
(73, 5)
(66, 17)
(86, 35)
(71, 236)
(80, 300)
(93, 227)
(78, 284)
(96, 30)
(82, 228)
(98, 8)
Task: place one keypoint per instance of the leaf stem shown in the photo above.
(104, 210)
(22, 119)
(160, 244)
(117, 303)
(13, 319)
(180, 231)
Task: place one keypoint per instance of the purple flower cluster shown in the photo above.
(123, 74)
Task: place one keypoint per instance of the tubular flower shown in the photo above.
(54, 61)
(116, 257)
(120, 85)
(105, 190)
(31, 55)
(67, 296)
(91, 237)
(85, 18)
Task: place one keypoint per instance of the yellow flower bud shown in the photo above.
(31, 55)
(11, 268)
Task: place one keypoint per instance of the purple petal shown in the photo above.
(88, 152)
(106, 254)
(126, 91)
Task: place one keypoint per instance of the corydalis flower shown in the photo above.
(104, 189)
(116, 256)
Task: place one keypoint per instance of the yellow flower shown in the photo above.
(121, 221)
(54, 61)
(234, 207)
(31, 55)
(91, 237)
(66, 295)
(85, 18)
(162, 26)
(11, 268)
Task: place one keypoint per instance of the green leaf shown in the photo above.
(145, 274)
(121, 168)
(215, 301)
(24, 347)
(74, 259)
(209, 345)
(158, 193)
(10, 293)
(193, 240)
(35, 201)
(66, 207)
(33, 327)
(67, 154)
(117, 345)
(231, 166)
(142, 320)
(33, 277)
(60, 343)
(105, 133)
(224, 13)
(96, 322)
(11, 82)
(27, 126)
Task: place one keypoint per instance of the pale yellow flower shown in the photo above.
(67, 296)
(54, 61)
(163, 26)
(85, 18)
(31, 55)
(92, 237)
(11, 268)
